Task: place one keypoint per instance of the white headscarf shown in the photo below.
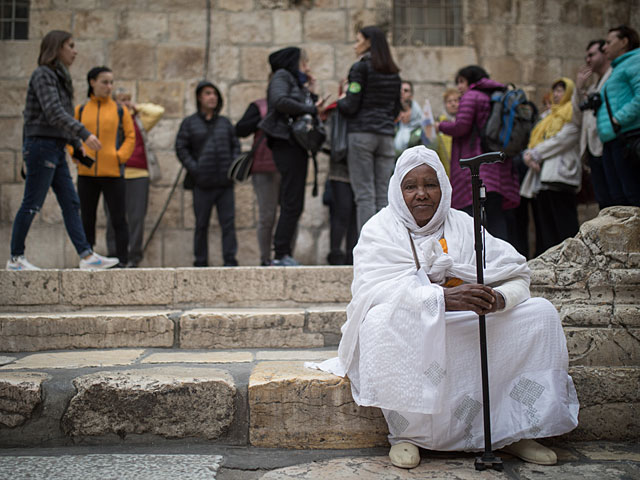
(410, 159)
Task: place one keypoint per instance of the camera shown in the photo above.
(592, 102)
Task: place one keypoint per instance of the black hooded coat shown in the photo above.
(286, 98)
(206, 148)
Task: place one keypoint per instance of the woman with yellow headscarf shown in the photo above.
(555, 170)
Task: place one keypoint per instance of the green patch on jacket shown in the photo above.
(355, 87)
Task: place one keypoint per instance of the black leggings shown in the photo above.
(292, 163)
(114, 191)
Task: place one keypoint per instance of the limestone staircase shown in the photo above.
(216, 355)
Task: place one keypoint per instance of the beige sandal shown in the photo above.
(405, 455)
(532, 452)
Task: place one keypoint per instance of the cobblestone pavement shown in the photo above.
(577, 461)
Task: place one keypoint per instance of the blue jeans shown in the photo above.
(47, 167)
(623, 175)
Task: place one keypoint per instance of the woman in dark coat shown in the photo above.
(287, 98)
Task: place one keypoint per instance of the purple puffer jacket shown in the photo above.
(497, 177)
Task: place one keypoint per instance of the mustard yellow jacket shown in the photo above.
(100, 116)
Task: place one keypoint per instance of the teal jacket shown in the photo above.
(623, 91)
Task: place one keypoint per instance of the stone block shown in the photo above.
(345, 58)
(605, 385)
(180, 61)
(295, 407)
(177, 248)
(9, 170)
(187, 27)
(504, 69)
(603, 347)
(225, 63)
(75, 360)
(361, 17)
(540, 71)
(35, 332)
(219, 27)
(491, 39)
(250, 27)
(172, 216)
(613, 421)
(143, 25)
(236, 5)
(287, 27)
(245, 204)
(526, 40)
(171, 402)
(29, 288)
(90, 54)
(163, 135)
(288, 355)
(251, 328)
(92, 24)
(586, 315)
(43, 21)
(75, 4)
(169, 166)
(255, 63)
(324, 26)
(315, 214)
(133, 60)
(627, 315)
(20, 395)
(117, 287)
(18, 58)
(322, 60)
(199, 357)
(169, 94)
(179, 5)
(627, 294)
(11, 138)
(327, 320)
(434, 64)
(241, 94)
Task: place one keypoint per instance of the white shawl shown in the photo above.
(386, 290)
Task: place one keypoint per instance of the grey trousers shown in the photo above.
(136, 198)
(371, 160)
(266, 185)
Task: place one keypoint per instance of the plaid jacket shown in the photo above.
(49, 108)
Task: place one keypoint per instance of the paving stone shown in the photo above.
(199, 357)
(86, 358)
(61, 331)
(117, 466)
(609, 451)
(355, 468)
(20, 394)
(306, 355)
(570, 471)
(173, 402)
(296, 407)
(246, 328)
(6, 360)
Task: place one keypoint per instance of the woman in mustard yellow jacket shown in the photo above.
(113, 126)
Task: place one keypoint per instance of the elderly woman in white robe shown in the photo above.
(411, 344)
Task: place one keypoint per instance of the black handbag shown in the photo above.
(308, 132)
(240, 168)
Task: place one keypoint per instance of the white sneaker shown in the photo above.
(20, 263)
(97, 262)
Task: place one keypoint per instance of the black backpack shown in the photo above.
(510, 122)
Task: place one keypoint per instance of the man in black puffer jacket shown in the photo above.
(206, 145)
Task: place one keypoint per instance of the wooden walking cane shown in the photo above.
(488, 459)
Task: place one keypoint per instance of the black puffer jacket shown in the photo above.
(373, 99)
(286, 98)
(207, 147)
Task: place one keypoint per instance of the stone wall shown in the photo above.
(158, 48)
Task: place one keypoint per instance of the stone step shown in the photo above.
(174, 288)
(229, 328)
(212, 328)
(262, 398)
